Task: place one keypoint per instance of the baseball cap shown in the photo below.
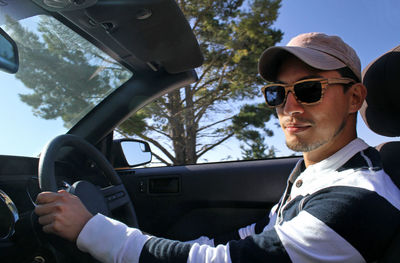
(318, 50)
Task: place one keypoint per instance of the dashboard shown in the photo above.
(21, 239)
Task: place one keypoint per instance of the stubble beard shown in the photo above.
(300, 146)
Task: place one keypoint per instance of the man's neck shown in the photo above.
(327, 150)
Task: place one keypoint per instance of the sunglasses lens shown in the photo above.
(309, 91)
(274, 95)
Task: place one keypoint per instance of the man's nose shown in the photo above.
(292, 106)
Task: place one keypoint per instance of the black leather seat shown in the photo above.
(381, 113)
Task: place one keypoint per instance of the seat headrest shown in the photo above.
(381, 109)
(389, 152)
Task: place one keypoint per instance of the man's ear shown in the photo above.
(357, 93)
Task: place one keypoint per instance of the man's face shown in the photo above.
(311, 127)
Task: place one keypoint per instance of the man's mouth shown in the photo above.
(296, 127)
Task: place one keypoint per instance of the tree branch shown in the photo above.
(217, 89)
(207, 69)
(201, 15)
(199, 114)
(160, 132)
(197, 88)
(161, 159)
(212, 124)
(214, 145)
(182, 5)
(161, 110)
(222, 75)
(205, 106)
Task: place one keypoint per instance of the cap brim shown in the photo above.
(271, 59)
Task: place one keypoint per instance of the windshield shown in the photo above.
(61, 78)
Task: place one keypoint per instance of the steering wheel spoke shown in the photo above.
(116, 196)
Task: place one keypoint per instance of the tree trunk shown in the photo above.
(177, 130)
(190, 126)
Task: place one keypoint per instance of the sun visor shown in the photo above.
(156, 32)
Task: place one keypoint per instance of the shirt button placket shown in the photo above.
(299, 183)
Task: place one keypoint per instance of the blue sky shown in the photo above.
(371, 27)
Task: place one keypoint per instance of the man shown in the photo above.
(339, 205)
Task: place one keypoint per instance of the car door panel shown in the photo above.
(205, 199)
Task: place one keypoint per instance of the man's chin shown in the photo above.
(299, 146)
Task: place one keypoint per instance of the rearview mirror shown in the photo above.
(130, 152)
(9, 61)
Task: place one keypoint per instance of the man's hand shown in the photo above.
(62, 214)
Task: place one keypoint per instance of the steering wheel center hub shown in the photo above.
(91, 196)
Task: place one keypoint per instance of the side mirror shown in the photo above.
(130, 152)
(9, 61)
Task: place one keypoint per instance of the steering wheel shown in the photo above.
(96, 199)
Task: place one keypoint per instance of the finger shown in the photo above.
(43, 209)
(50, 228)
(58, 228)
(46, 197)
(49, 208)
(47, 228)
(46, 219)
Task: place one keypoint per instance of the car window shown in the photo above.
(185, 127)
(61, 78)
(221, 117)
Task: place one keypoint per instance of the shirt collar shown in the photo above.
(339, 158)
(331, 163)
